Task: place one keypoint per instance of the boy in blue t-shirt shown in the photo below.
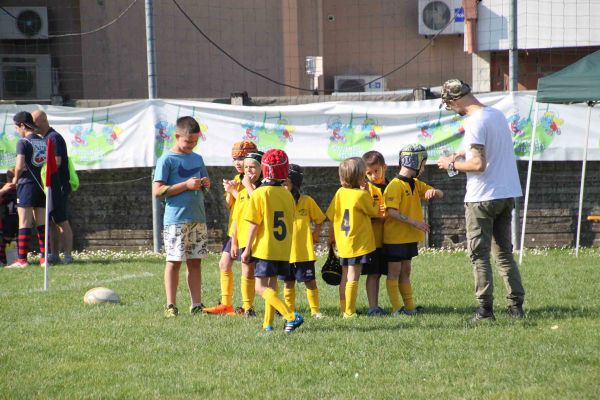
(180, 174)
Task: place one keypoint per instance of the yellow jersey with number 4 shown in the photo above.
(272, 208)
(350, 214)
(307, 210)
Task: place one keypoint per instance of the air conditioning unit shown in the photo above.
(359, 83)
(434, 15)
(25, 77)
(23, 23)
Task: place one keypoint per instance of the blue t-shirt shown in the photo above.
(60, 150)
(188, 206)
(33, 147)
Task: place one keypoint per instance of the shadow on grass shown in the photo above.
(561, 312)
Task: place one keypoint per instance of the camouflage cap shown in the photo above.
(454, 89)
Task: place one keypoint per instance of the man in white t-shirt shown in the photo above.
(492, 184)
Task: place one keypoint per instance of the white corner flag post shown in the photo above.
(46, 234)
(50, 169)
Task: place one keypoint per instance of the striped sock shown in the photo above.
(23, 239)
(41, 236)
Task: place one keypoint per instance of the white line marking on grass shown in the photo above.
(81, 285)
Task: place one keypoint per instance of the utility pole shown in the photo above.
(151, 61)
(513, 75)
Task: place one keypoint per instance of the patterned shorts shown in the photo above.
(185, 241)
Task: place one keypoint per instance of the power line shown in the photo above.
(79, 33)
(300, 88)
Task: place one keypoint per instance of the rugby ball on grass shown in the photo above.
(101, 295)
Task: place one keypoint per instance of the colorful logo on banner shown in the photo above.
(439, 138)
(91, 142)
(349, 140)
(8, 143)
(164, 133)
(548, 128)
(273, 132)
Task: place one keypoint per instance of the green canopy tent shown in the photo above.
(577, 83)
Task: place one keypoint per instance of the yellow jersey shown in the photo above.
(350, 214)
(376, 192)
(238, 212)
(238, 187)
(407, 201)
(307, 210)
(272, 208)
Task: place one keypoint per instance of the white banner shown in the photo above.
(321, 134)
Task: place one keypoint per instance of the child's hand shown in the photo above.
(234, 249)
(193, 183)
(430, 194)
(205, 182)
(246, 181)
(247, 255)
(228, 185)
(420, 225)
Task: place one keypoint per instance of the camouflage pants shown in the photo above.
(488, 226)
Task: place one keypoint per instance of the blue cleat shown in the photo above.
(269, 328)
(294, 324)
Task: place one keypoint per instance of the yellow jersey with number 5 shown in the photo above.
(272, 208)
(350, 214)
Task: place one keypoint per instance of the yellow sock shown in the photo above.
(269, 315)
(272, 299)
(393, 293)
(252, 288)
(312, 295)
(351, 295)
(247, 293)
(226, 279)
(289, 296)
(407, 296)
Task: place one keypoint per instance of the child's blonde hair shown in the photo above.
(352, 172)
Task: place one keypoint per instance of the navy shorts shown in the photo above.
(354, 260)
(227, 245)
(300, 271)
(265, 268)
(377, 264)
(30, 194)
(60, 208)
(400, 252)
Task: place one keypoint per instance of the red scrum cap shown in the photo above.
(275, 165)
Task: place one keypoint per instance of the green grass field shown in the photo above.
(54, 346)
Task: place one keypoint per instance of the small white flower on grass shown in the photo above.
(554, 327)
(356, 375)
